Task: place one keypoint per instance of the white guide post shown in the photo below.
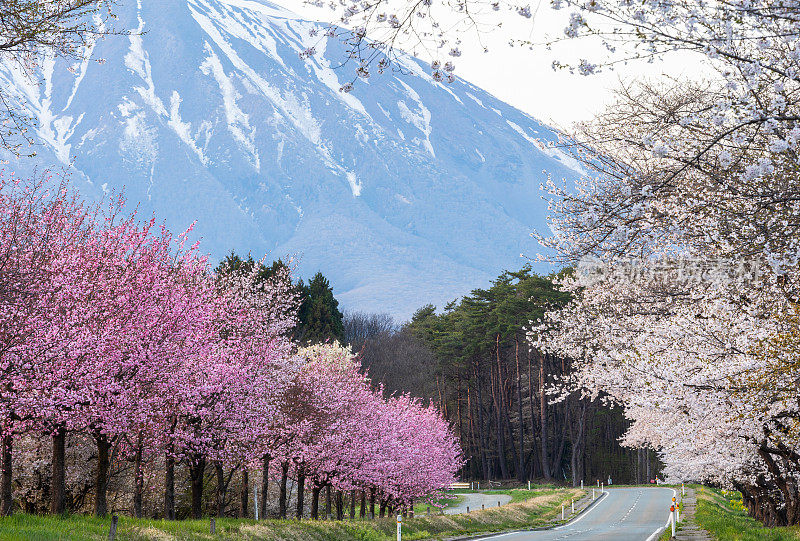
(592, 493)
(672, 520)
(529, 485)
(562, 512)
(683, 490)
(674, 515)
(581, 484)
(601, 487)
(573, 505)
(399, 527)
(255, 501)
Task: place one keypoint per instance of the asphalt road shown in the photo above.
(474, 500)
(623, 514)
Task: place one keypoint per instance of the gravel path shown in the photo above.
(474, 500)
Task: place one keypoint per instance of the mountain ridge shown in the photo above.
(404, 191)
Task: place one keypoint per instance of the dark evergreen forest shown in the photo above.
(474, 361)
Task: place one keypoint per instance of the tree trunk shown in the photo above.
(383, 508)
(498, 408)
(533, 411)
(264, 484)
(57, 493)
(363, 511)
(372, 503)
(543, 421)
(101, 475)
(352, 505)
(244, 492)
(461, 437)
(339, 505)
(301, 491)
(282, 496)
(315, 501)
(521, 474)
(6, 494)
(169, 486)
(138, 482)
(475, 451)
(328, 501)
(197, 468)
(481, 429)
(640, 467)
(221, 488)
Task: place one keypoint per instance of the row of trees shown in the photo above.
(474, 361)
(684, 230)
(114, 329)
(686, 299)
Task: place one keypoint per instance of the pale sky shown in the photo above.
(525, 78)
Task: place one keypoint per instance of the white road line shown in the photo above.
(580, 517)
(661, 529)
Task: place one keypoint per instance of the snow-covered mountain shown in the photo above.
(403, 192)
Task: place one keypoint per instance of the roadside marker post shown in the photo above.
(601, 487)
(399, 527)
(676, 510)
(592, 493)
(529, 485)
(562, 512)
(255, 501)
(581, 484)
(112, 532)
(672, 519)
(573, 505)
(683, 490)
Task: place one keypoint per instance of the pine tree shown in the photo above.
(320, 318)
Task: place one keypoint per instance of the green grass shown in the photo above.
(724, 517)
(541, 506)
(450, 500)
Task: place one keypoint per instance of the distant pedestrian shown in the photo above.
(609, 479)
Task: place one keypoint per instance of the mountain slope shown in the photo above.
(403, 192)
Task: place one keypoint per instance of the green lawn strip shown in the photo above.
(722, 515)
(517, 494)
(449, 500)
(20, 527)
(541, 506)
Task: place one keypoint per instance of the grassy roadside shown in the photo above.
(541, 506)
(723, 516)
(450, 500)
(517, 494)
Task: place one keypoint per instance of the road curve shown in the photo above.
(474, 500)
(623, 514)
